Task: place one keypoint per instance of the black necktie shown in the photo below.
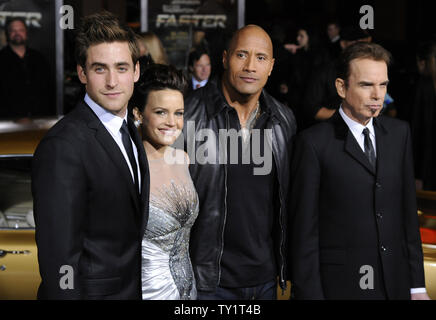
(369, 148)
(125, 136)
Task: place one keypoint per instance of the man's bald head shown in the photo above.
(250, 30)
(248, 61)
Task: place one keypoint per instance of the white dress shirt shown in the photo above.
(113, 125)
(357, 131)
(195, 82)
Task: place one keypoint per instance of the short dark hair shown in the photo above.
(100, 28)
(156, 77)
(335, 22)
(361, 50)
(195, 55)
(8, 23)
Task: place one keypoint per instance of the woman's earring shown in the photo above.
(137, 123)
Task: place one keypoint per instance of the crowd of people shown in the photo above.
(307, 184)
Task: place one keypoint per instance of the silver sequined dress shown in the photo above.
(166, 267)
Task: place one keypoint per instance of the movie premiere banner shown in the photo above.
(179, 23)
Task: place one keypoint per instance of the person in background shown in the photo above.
(199, 67)
(334, 37)
(150, 44)
(321, 99)
(308, 54)
(423, 121)
(26, 85)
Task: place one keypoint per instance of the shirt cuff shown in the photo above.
(417, 290)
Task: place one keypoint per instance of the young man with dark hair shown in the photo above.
(90, 179)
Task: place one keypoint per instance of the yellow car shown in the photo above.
(19, 272)
(427, 216)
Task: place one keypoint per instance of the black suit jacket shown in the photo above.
(348, 215)
(87, 212)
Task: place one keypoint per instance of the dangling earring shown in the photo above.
(137, 123)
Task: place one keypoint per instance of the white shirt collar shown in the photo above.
(355, 127)
(201, 83)
(110, 121)
(335, 39)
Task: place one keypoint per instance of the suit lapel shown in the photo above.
(353, 148)
(113, 151)
(350, 144)
(383, 146)
(144, 172)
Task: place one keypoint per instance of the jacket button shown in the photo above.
(377, 185)
(379, 215)
(383, 248)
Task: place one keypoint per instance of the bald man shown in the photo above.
(238, 138)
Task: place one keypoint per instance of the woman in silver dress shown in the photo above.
(158, 110)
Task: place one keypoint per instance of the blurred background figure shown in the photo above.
(423, 121)
(321, 99)
(199, 66)
(150, 44)
(334, 36)
(26, 87)
(306, 55)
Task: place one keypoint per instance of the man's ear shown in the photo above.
(137, 71)
(225, 59)
(272, 66)
(81, 74)
(340, 87)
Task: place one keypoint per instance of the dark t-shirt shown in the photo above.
(248, 258)
(26, 87)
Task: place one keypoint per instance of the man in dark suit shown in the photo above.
(199, 67)
(90, 177)
(355, 225)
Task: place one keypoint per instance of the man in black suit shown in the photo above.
(355, 229)
(199, 67)
(90, 177)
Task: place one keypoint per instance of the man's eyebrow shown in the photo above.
(122, 63)
(101, 64)
(262, 54)
(368, 83)
(242, 51)
(98, 64)
(257, 53)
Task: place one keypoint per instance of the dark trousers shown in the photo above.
(265, 291)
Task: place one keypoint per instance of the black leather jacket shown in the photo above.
(207, 108)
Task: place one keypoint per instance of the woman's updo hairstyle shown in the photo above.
(155, 77)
